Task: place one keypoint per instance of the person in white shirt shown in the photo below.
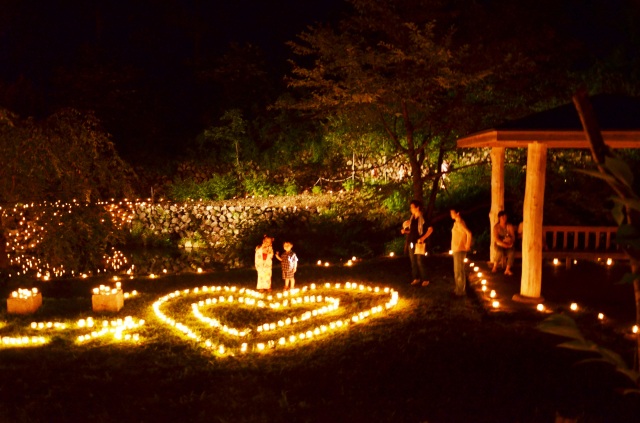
(460, 244)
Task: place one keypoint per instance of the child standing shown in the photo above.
(264, 262)
(289, 265)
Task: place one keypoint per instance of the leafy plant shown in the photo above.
(194, 241)
(396, 202)
(565, 326)
(317, 190)
(349, 184)
(290, 187)
(141, 235)
(183, 190)
(78, 240)
(626, 211)
(395, 246)
(259, 185)
(219, 187)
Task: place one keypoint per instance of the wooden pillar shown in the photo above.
(531, 284)
(497, 193)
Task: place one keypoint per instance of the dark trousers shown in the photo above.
(418, 265)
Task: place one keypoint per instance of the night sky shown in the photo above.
(143, 54)
(145, 66)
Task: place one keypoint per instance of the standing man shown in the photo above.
(418, 231)
(460, 244)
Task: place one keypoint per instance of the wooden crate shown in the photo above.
(24, 305)
(111, 302)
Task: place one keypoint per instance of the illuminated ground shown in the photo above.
(431, 358)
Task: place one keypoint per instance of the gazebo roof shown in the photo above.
(618, 118)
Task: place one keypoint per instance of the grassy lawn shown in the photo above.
(432, 358)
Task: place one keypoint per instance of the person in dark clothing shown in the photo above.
(417, 231)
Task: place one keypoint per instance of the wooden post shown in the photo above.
(497, 193)
(531, 284)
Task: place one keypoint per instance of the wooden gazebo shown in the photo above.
(619, 121)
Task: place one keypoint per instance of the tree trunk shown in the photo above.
(435, 186)
(416, 179)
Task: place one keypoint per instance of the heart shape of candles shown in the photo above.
(319, 318)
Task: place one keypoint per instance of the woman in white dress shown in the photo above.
(264, 263)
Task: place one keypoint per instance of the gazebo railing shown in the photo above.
(580, 242)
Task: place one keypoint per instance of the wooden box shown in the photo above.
(24, 305)
(111, 302)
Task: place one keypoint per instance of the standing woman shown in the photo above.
(418, 231)
(460, 244)
(264, 263)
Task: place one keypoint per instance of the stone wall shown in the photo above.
(202, 225)
(218, 234)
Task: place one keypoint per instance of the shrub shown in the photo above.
(290, 187)
(395, 246)
(78, 240)
(396, 202)
(317, 189)
(182, 190)
(140, 235)
(194, 241)
(349, 184)
(220, 187)
(259, 185)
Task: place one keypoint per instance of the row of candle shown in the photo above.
(116, 328)
(350, 262)
(281, 341)
(24, 294)
(495, 303)
(23, 341)
(332, 304)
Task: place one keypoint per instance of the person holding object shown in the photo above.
(264, 263)
(417, 231)
(460, 244)
(505, 237)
